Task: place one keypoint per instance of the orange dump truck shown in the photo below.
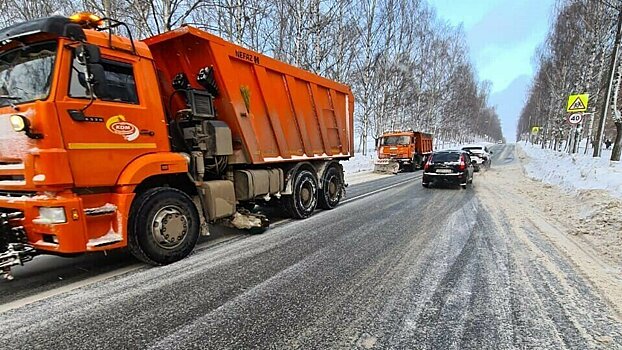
(107, 142)
(402, 150)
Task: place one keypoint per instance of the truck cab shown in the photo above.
(72, 153)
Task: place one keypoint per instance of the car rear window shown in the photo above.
(445, 157)
(471, 149)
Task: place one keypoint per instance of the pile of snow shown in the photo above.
(573, 172)
(359, 163)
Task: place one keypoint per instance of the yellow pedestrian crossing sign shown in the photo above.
(535, 130)
(577, 103)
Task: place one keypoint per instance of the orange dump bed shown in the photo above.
(276, 112)
(423, 143)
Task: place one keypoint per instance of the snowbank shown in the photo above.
(573, 172)
(359, 163)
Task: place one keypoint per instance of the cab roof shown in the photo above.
(58, 25)
(64, 27)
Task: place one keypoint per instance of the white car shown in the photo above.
(480, 154)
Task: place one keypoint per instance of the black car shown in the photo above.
(450, 167)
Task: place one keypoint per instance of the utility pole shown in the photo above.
(614, 62)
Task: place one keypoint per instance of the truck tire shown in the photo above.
(332, 187)
(303, 200)
(417, 162)
(155, 212)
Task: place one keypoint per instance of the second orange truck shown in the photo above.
(402, 150)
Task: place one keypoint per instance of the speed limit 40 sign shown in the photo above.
(575, 118)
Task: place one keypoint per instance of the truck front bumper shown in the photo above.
(68, 237)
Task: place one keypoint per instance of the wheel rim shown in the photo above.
(333, 188)
(169, 227)
(307, 194)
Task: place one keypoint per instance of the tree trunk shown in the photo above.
(617, 145)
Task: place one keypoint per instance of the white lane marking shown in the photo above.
(381, 189)
(67, 288)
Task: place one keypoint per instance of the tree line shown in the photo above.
(407, 68)
(576, 58)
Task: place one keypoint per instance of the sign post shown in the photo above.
(576, 105)
(535, 130)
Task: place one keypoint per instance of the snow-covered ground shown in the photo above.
(574, 172)
(360, 168)
(359, 163)
(584, 225)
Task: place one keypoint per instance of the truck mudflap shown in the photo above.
(14, 249)
(386, 166)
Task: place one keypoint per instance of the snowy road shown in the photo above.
(404, 268)
(50, 274)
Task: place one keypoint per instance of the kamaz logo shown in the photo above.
(247, 57)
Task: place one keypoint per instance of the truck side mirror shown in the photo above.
(97, 79)
(87, 53)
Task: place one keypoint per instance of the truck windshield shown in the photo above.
(395, 140)
(26, 73)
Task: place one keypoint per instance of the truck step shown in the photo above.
(105, 209)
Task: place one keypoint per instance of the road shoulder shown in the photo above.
(582, 227)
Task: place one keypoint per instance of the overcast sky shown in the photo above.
(502, 36)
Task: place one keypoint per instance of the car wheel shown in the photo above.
(464, 186)
(426, 185)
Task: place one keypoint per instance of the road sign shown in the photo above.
(535, 130)
(577, 103)
(575, 118)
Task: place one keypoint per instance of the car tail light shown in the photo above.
(428, 163)
(462, 164)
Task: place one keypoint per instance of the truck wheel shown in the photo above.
(303, 200)
(417, 163)
(163, 226)
(332, 188)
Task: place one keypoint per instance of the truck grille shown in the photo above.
(17, 194)
(12, 174)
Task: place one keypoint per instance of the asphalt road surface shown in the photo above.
(396, 266)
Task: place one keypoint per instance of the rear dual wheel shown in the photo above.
(306, 194)
(332, 187)
(303, 200)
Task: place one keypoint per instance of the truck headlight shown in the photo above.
(52, 215)
(19, 122)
